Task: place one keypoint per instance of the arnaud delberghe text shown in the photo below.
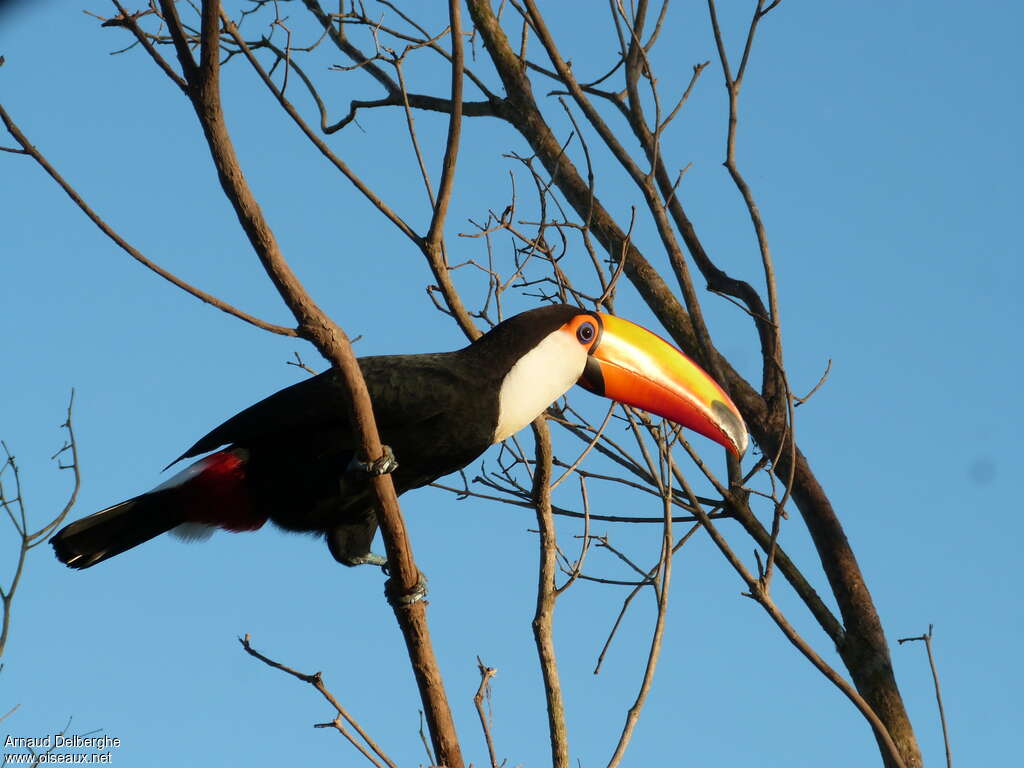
(59, 740)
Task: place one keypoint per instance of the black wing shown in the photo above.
(405, 389)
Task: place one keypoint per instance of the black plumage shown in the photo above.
(437, 412)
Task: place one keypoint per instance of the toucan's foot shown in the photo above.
(385, 465)
(397, 598)
(370, 558)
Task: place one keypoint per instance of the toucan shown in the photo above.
(291, 458)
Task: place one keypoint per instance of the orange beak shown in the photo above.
(631, 365)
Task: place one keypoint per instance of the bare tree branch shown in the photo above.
(366, 746)
(130, 21)
(336, 161)
(543, 619)
(486, 673)
(927, 639)
(662, 582)
(16, 509)
(36, 155)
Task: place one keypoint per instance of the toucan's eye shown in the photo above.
(585, 333)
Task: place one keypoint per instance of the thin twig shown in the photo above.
(316, 680)
(486, 673)
(577, 567)
(662, 590)
(336, 161)
(125, 245)
(17, 513)
(543, 620)
(927, 639)
(647, 581)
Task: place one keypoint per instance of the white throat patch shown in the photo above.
(540, 377)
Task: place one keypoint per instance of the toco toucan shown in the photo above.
(290, 457)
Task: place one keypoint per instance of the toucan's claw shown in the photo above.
(370, 558)
(385, 465)
(396, 598)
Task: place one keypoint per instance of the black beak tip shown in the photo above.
(732, 425)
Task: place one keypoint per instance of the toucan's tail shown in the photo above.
(209, 494)
(118, 528)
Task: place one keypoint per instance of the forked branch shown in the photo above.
(15, 508)
(364, 743)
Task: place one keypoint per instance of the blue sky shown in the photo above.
(882, 142)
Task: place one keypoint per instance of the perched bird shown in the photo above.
(291, 457)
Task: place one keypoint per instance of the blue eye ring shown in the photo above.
(586, 332)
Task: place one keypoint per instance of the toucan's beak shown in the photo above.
(631, 365)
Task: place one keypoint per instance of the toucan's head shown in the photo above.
(554, 347)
